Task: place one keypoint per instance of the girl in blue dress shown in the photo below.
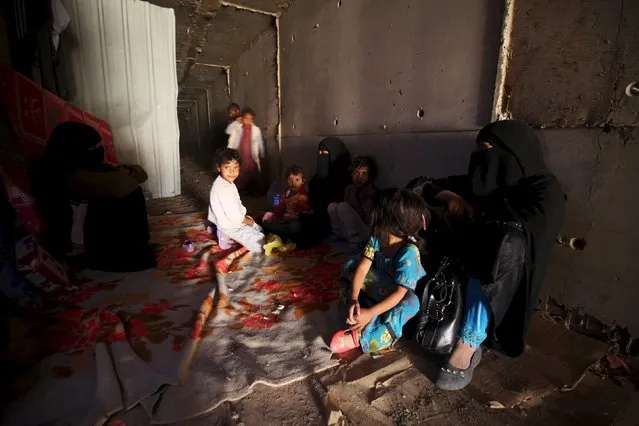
(377, 290)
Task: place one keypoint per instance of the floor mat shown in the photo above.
(178, 340)
(270, 322)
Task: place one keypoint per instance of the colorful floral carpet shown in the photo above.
(202, 328)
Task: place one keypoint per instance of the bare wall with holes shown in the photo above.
(571, 62)
(599, 173)
(254, 85)
(392, 79)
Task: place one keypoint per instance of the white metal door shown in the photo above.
(122, 68)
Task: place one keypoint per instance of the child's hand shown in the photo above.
(365, 316)
(268, 216)
(353, 313)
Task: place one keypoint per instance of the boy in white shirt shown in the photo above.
(226, 210)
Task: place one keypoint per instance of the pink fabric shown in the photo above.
(249, 168)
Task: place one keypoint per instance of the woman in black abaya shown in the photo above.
(517, 208)
(116, 229)
(327, 186)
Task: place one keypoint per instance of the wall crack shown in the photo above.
(614, 101)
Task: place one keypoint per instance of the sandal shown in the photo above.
(344, 341)
(452, 378)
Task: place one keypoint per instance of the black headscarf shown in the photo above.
(332, 177)
(327, 186)
(512, 175)
(73, 145)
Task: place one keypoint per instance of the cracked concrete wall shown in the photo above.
(363, 70)
(599, 173)
(254, 85)
(571, 61)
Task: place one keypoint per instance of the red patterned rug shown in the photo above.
(202, 328)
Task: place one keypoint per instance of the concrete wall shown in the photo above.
(343, 69)
(254, 85)
(599, 173)
(571, 61)
(363, 69)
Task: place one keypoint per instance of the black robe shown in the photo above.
(327, 186)
(511, 182)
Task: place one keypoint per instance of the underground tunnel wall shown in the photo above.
(202, 104)
(362, 71)
(349, 64)
(571, 62)
(254, 85)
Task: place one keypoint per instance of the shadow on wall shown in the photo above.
(399, 157)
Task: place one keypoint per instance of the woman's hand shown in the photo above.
(457, 206)
(365, 316)
(248, 220)
(353, 313)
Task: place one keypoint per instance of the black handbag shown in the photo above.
(441, 310)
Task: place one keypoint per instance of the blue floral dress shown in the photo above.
(403, 269)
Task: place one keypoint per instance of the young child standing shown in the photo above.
(226, 210)
(284, 220)
(235, 118)
(350, 219)
(377, 294)
(247, 139)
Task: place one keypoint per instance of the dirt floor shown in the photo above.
(549, 386)
(403, 395)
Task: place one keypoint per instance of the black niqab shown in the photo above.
(332, 177)
(514, 168)
(327, 186)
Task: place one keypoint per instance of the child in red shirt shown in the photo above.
(295, 199)
(284, 220)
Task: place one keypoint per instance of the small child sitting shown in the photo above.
(350, 219)
(226, 210)
(284, 220)
(377, 290)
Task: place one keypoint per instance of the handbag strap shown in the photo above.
(435, 308)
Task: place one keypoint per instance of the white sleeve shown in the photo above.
(234, 139)
(259, 141)
(230, 127)
(233, 209)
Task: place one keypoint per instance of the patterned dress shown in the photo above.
(386, 274)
